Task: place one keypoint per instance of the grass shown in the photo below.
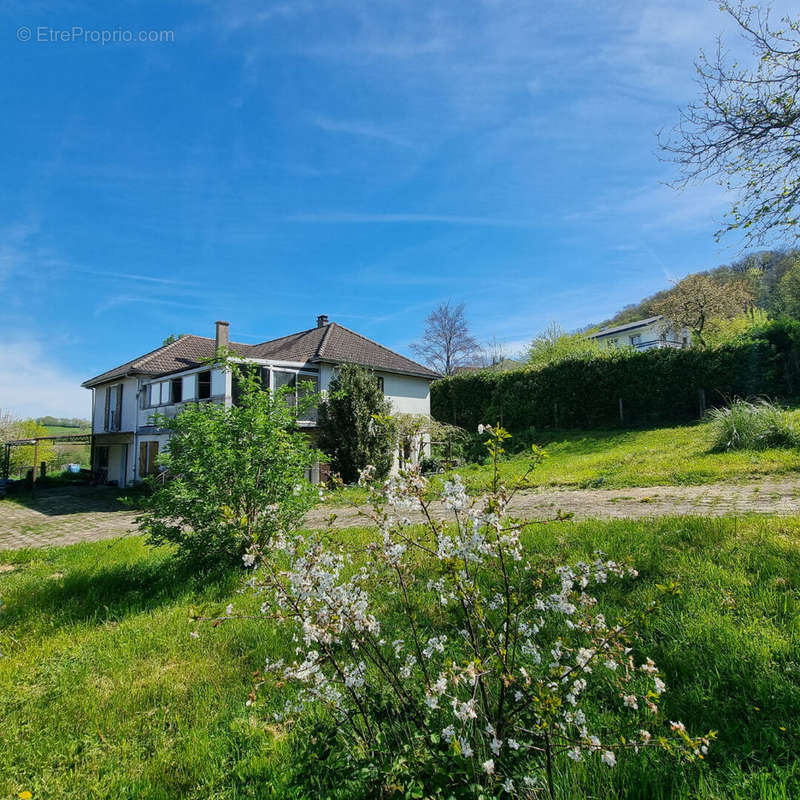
(615, 459)
(104, 694)
(759, 425)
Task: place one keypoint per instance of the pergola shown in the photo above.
(80, 438)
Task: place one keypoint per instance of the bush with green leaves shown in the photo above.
(451, 664)
(354, 427)
(232, 476)
(745, 425)
(662, 385)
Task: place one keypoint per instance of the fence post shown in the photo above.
(555, 413)
(621, 413)
(701, 401)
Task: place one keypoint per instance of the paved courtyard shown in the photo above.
(81, 514)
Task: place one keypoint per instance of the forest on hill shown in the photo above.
(773, 276)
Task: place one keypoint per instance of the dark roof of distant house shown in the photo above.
(330, 343)
(639, 323)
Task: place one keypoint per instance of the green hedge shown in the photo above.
(655, 386)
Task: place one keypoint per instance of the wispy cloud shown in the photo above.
(348, 218)
(135, 277)
(363, 130)
(31, 385)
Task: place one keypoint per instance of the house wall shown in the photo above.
(408, 395)
(129, 405)
(650, 336)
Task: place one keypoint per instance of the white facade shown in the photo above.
(644, 334)
(127, 440)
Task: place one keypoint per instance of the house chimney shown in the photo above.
(322, 320)
(222, 334)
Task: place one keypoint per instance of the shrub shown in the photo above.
(353, 427)
(236, 475)
(747, 425)
(654, 386)
(449, 664)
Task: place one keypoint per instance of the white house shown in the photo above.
(643, 334)
(125, 440)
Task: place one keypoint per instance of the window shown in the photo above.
(281, 379)
(307, 384)
(177, 390)
(204, 385)
(148, 451)
(379, 378)
(636, 339)
(113, 416)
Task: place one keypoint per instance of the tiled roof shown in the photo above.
(639, 323)
(329, 343)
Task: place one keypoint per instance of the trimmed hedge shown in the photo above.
(654, 386)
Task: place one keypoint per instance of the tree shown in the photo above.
(744, 132)
(788, 292)
(235, 476)
(173, 337)
(553, 344)
(446, 343)
(22, 456)
(698, 302)
(352, 424)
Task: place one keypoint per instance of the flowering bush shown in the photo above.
(451, 663)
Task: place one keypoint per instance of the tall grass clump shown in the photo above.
(746, 425)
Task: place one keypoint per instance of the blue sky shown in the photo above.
(367, 160)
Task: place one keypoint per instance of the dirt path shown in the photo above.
(65, 516)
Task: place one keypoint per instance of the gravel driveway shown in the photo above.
(83, 514)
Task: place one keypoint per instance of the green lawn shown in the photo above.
(618, 459)
(104, 693)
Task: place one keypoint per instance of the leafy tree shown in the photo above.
(353, 429)
(446, 342)
(788, 292)
(553, 344)
(22, 456)
(698, 302)
(744, 132)
(725, 331)
(235, 476)
(173, 337)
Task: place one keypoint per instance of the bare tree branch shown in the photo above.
(446, 343)
(744, 132)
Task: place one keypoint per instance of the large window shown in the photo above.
(113, 415)
(307, 384)
(303, 383)
(204, 385)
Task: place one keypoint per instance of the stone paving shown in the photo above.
(81, 514)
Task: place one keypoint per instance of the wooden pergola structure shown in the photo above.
(67, 438)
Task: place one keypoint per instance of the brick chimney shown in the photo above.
(222, 334)
(322, 320)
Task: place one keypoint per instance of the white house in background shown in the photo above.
(643, 334)
(125, 440)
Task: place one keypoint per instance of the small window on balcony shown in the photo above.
(204, 385)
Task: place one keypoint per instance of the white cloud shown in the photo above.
(363, 130)
(32, 386)
(445, 219)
